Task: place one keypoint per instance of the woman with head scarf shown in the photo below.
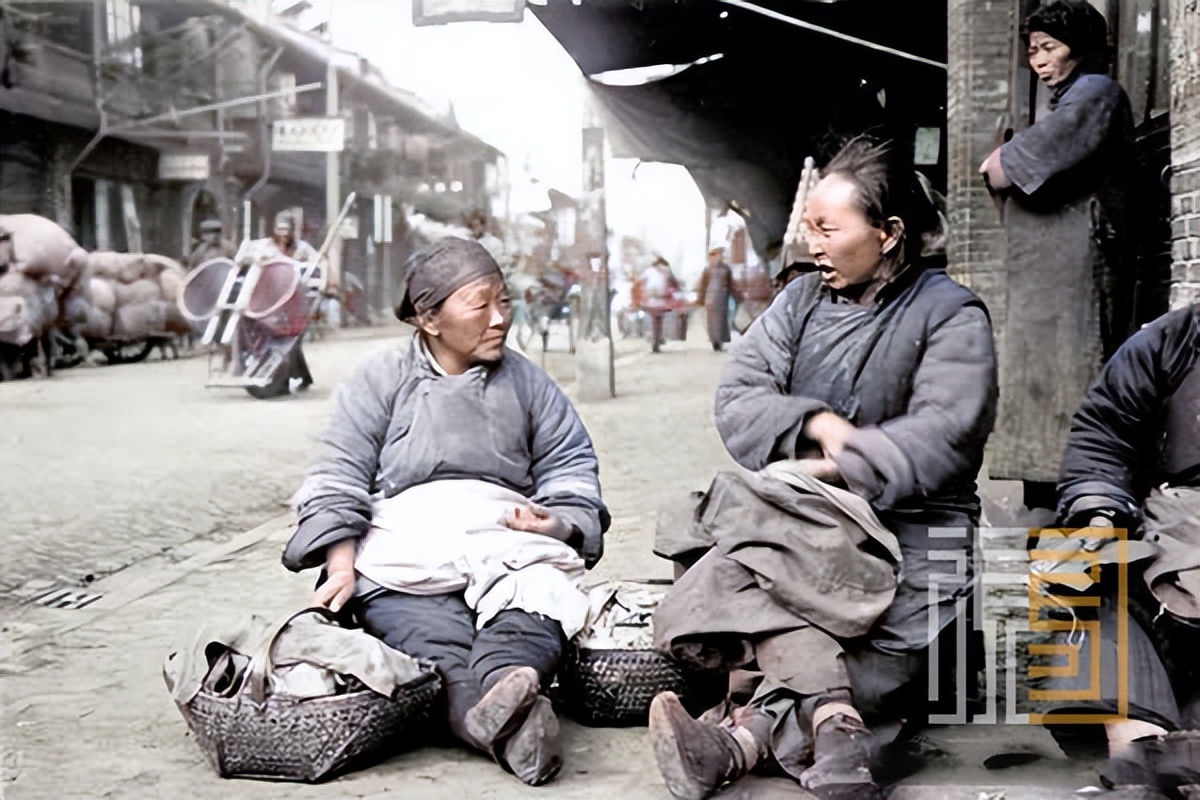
(875, 373)
(455, 504)
(1070, 284)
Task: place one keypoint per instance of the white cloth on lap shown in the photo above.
(449, 536)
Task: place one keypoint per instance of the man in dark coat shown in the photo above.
(1132, 462)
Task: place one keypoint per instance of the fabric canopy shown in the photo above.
(765, 94)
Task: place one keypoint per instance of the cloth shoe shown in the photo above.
(840, 769)
(534, 753)
(502, 709)
(696, 758)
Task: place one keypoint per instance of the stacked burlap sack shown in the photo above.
(128, 296)
(40, 264)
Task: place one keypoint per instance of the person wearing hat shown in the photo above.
(211, 245)
(715, 289)
(1070, 282)
(455, 504)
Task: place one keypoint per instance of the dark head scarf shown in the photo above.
(433, 274)
(1078, 25)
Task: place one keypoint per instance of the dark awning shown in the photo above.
(743, 123)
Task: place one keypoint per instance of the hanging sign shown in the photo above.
(309, 134)
(183, 166)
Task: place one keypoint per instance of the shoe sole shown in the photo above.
(503, 708)
(667, 753)
(535, 756)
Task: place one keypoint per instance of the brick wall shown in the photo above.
(979, 58)
(1184, 30)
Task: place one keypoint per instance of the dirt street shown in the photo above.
(173, 499)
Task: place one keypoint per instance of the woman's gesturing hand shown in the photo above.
(536, 519)
(829, 431)
(338, 587)
(993, 172)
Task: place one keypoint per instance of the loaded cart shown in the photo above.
(255, 309)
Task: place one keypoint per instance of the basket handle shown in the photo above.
(262, 662)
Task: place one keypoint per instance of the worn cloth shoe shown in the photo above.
(534, 753)
(840, 769)
(696, 758)
(502, 709)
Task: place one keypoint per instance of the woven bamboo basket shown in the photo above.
(615, 687)
(255, 734)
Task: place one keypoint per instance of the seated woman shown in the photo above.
(455, 504)
(876, 371)
(1132, 462)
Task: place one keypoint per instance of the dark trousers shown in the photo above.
(441, 628)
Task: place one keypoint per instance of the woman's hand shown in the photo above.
(829, 431)
(536, 519)
(993, 172)
(340, 577)
(823, 469)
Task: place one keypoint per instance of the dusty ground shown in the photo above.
(173, 499)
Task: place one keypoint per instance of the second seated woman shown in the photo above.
(876, 372)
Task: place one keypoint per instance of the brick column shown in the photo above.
(1183, 26)
(1184, 29)
(979, 59)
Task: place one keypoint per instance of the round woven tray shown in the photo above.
(615, 687)
(309, 739)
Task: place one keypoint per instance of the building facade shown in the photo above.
(130, 123)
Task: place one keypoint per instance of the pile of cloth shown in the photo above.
(620, 616)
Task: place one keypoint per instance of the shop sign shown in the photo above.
(183, 166)
(309, 134)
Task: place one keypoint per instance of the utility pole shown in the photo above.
(594, 369)
(333, 189)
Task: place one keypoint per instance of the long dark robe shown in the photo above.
(715, 289)
(1069, 270)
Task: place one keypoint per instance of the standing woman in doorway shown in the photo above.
(1069, 278)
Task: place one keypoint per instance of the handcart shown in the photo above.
(255, 309)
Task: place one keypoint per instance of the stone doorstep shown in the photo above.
(993, 792)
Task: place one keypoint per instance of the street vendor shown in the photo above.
(284, 242)
(455, 504)
(875, 373)
(1132, 464)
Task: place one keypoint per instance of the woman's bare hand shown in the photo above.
(993, 172)
(823, 469)
(829, 431)
(536, 519)
(340, 576)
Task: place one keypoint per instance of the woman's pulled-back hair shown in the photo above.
(888, 186)
(1078, 25)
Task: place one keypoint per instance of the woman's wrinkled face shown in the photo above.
(473, 322)
(1050, 58)
(847, 248)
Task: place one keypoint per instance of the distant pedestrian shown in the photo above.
(212, 245)
(714, 291)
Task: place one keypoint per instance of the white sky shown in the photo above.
(515, 87)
